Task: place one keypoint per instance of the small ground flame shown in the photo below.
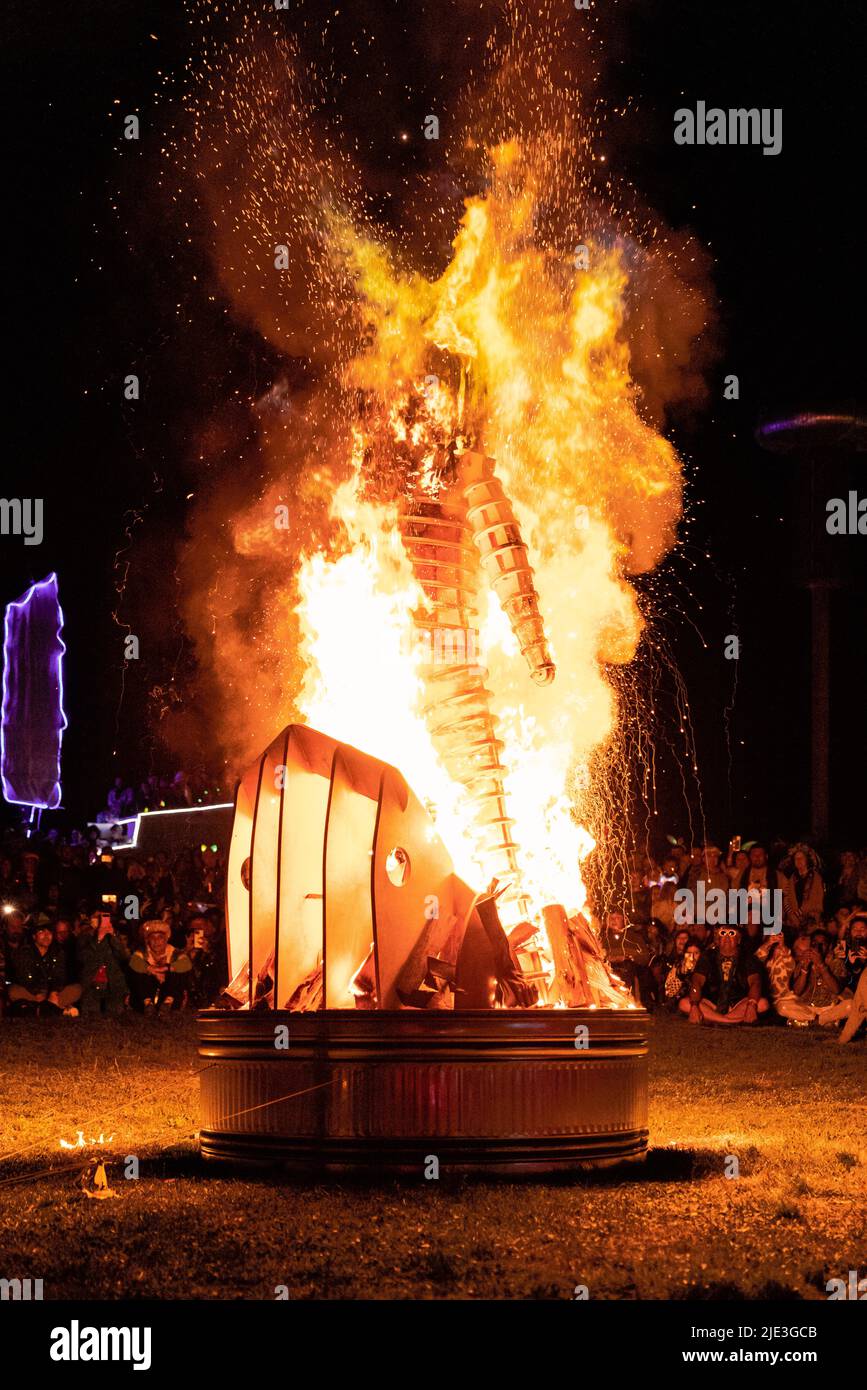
(81, 1143)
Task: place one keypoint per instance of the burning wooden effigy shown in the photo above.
(379, 1008)
(342, 895)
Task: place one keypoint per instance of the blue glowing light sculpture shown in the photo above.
(32, 717)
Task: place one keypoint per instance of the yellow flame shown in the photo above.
(545, 384)
(82, 1143)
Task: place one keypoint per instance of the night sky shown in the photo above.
(89, 303)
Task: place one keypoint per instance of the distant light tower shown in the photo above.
(822, 444)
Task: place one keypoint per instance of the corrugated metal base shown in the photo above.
(484, 1091)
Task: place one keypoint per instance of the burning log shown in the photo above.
(472, 959)
(581, 976)
(570, 972)
(526, 947)
(488, 973)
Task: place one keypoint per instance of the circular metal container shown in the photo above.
(488, 1091)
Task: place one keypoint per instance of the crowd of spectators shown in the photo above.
(85, 930)
(126, 799)
(765, 933)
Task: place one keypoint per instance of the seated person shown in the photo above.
(677, 945)
(628, 955)
(803, 889)
(857, 1011)
(736, 865)
(159, 972)
(841, 920)
(709, 871)
(653, 935)
(13, 930)
(845, 891)
(66, 943)
(662, 902)
(702, 933)
(726, 985)
(778, 963)
(853, 958)
(101, 962)
(39, 985)
(813, 994)
(679, 972)
(13, 927)
(207, 952)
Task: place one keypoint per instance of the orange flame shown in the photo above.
(545, 388)
(519, 349)
(82, 1143)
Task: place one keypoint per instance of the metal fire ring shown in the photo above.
(376, 1091)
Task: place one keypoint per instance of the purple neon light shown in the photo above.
(7, 713)
(804, 421)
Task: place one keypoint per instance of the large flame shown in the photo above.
(519, 348)
(545, 388)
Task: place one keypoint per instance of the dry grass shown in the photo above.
(788, 1104)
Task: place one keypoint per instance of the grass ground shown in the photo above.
(787, 1103)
